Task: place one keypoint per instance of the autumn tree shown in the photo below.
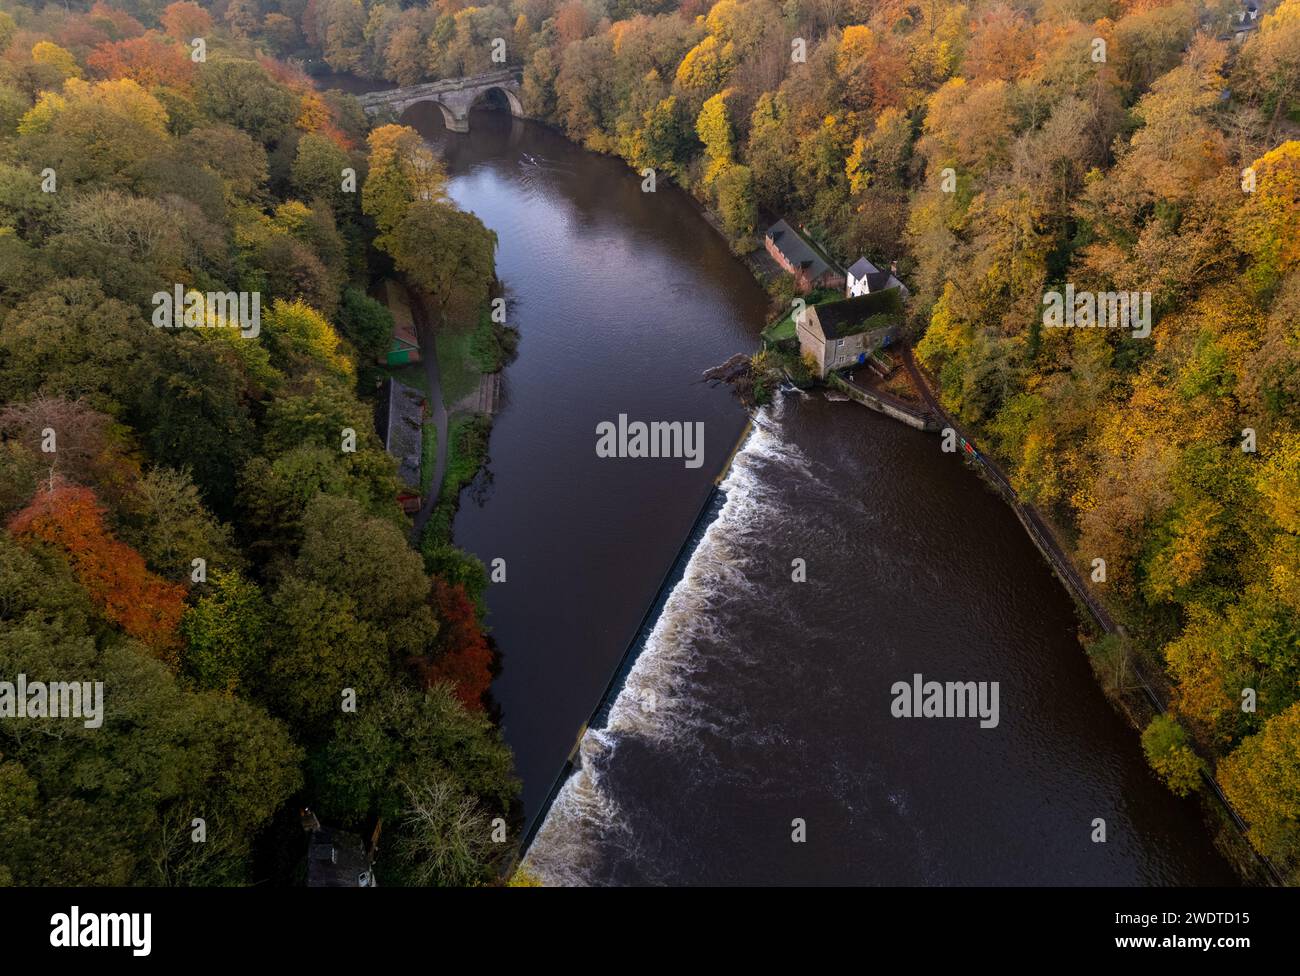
(145, 606)
(445, 252)
(101, 132)
(73, 441)
(150, 60)
(185, 20)
(715, 130)
(402, 171)
(1262, 779)
(461, 655)
(1268, 227)
(1271, 62)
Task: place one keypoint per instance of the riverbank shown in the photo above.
(1139, 704)
(437, 410)
(457, 365)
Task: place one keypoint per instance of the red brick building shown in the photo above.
(801, 258)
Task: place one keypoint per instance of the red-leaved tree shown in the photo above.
(461, 655)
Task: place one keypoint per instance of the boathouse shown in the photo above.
(405, 345)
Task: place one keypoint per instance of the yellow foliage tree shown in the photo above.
(402, 171)
(706, 66)
(61, 59)
(1262, 779)
(1268, 225)
(1279, 484)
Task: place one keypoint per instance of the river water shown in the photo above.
(760, 707)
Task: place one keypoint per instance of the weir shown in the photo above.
(884, 403)
(708, 511)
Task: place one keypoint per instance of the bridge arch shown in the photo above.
(453, 120)
(452, 123)
(512, 100)
(453, 96)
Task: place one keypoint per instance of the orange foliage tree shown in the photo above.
(185, 20)
(149, 60)
(145, 606)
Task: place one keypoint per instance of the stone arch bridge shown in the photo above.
(455, 96)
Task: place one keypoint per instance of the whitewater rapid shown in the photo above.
(655, 704)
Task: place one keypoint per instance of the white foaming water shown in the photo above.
(561, 851)
(655, 702)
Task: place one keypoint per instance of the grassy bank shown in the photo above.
(783, 328)
(467, 441)
(465, 356)
(468, 353)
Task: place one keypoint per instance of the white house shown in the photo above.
(1247, 20)
(863, 278)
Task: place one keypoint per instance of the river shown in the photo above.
(760, 708)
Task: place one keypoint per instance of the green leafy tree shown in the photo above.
(317, 172)
(192, 412)
(367, 323)
(384, 763)
(235, 156)
(1167, 750)
(164, 519)
(243, 95)
(225, 634)
(68, 338)
(368, 559)
(320, 651)
(160, 751)
(447, 253)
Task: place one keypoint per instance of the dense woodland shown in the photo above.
(224, 689)
(1127, 171)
